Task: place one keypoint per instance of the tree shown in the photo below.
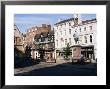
(67, 50)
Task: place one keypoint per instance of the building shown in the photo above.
(18, 39)
(45, 41)
(31, 32)
(76, 32)
(30, 35)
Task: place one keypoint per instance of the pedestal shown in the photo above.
(76, 52)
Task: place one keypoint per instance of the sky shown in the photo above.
(26, 21)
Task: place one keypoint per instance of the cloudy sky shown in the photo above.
(25, 21)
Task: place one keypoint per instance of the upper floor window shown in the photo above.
(52, 39)
(65, 41)
(14, 40)
(61, 32)
(19, 40)
(69, 24)
(80, 39)
(84, 28)
(80, 29)
(65, 31)
(90, 27)
(91, 38)
(61, 39)
(85, 39)
(69, 31)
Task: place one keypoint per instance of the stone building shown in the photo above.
(31, 32)
(75, 31)
(18, 39)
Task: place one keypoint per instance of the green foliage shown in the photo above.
(67, 50)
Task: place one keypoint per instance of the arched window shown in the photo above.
(91, 38)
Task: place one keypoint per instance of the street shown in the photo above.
(58, 69)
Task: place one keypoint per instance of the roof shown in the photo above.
(86, 21)
(63, 21)
(45, 34)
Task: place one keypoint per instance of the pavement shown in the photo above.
(38, 66)
(60, 68)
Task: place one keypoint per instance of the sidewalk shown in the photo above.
(62, 63)
(38, 66)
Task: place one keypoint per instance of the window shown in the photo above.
(65, 41)
(65, 32)
(69, 31)
(61, 39)
(80, 38)
(69, 24)
(33, 32)
(84, 28)
(14, 40)
(80, 29)
(90, 27)
(61, 32)
(57, 42)
(19, 40)
(51, 38)
(57, 33)
(61, 25)
(85, 39)
(70, 41)
(91, 38)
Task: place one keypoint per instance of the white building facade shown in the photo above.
(85, 30)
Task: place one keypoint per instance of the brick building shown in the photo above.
(31, 32)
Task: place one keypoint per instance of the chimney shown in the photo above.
(78, 17)
(49, 27)
(43, 25)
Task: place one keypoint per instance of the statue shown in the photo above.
(76, 37)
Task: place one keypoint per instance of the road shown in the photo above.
(58, 69)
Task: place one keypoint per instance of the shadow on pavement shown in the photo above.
(66, 69)
(26, 63)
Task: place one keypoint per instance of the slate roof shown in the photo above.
(63, 21)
